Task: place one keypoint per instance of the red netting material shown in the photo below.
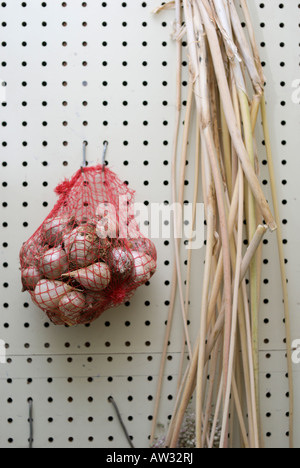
(89, 254)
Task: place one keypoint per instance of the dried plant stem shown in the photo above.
(211, 341)
(234, 307)
(251, 221)
(256, 241)
(185, 303)
(186, 396)
(226, 83)
(213, 379)
(190, 250)
(249, 61)
(176, 407)
(239, 412)
(217, 411)
(230, 116)
(215, 289)
(227, 153)
(247, 359)
(201, 358)
(200, 70)
(175, 269)
(277, 218)
(282, 269)
(251, 33)
(177, 226)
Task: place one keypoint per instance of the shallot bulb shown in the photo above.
(144, 267)
(27, 253)
(144, 245)
(121, 262)
(30, 252)
(71, 306)
(54, 263)
(82, 245)
(95, 277)
(30, 278)
(47, 293)
(54, 229)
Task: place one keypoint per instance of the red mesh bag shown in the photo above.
(89, 254)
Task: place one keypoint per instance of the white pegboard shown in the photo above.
(98, 71)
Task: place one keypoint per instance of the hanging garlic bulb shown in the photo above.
(82, 245)
(30, 278)
(121, 262)
(54, 229)
(144, 267)
(71, 306)
(54, 262)
(47, 293)
(95, 277)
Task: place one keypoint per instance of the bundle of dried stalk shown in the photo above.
(226, 86)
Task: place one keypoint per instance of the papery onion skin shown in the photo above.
(95, 277)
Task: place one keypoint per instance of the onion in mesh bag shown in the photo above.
(144, 245)
(95, 277)
(54, 229)
(47, 293)
(30, 278)
(79, 252)
(144, 267)
(71, 306)
(83, 246)
(54, 262)
(30, 253)
(121, 262)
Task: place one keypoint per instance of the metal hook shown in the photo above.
(84, 162)
(105, 145)
(112, 401)
(30, 419)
